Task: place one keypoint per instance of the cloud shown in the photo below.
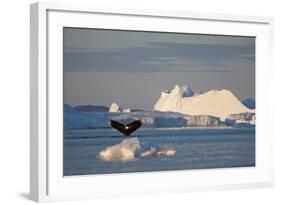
(164, 56)
(77, 39)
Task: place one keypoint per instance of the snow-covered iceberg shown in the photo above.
(132, 148)
(217, 103)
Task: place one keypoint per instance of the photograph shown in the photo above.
(148, 101)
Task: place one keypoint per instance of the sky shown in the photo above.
(131, 68)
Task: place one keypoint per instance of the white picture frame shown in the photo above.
(46, 179)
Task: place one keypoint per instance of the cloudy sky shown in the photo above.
(131, 68)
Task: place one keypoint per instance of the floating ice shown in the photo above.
(126, 150)
(126, 110)
(114, 107)
(132, 148)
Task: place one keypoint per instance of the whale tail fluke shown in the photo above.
(126, 129)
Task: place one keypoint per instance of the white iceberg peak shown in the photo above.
(182, 91)
(114, 107)
(177, 90)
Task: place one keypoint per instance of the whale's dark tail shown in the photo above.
(126, 129)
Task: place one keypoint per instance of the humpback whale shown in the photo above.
(126, 129)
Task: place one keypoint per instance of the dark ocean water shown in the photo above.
(196, 149)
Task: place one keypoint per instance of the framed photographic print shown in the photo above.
(147, 101)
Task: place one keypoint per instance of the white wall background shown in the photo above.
(14, 101)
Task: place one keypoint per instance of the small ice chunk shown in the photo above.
(148, 149)
(168, 152)
(131, 148)
(114, 107)
(126, 150)
(127, 110)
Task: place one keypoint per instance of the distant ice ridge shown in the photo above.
(74, 119)
(216, 103)
(176, 108)
(152, 118)
(132, 148)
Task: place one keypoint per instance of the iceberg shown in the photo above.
(126, 150)
(217, 103)
(177, 108)
(74, 119)
(126, 110)
(114, 107)
(132, 148)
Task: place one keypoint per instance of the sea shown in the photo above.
(197, 148)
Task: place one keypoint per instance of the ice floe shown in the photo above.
(132, 148)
